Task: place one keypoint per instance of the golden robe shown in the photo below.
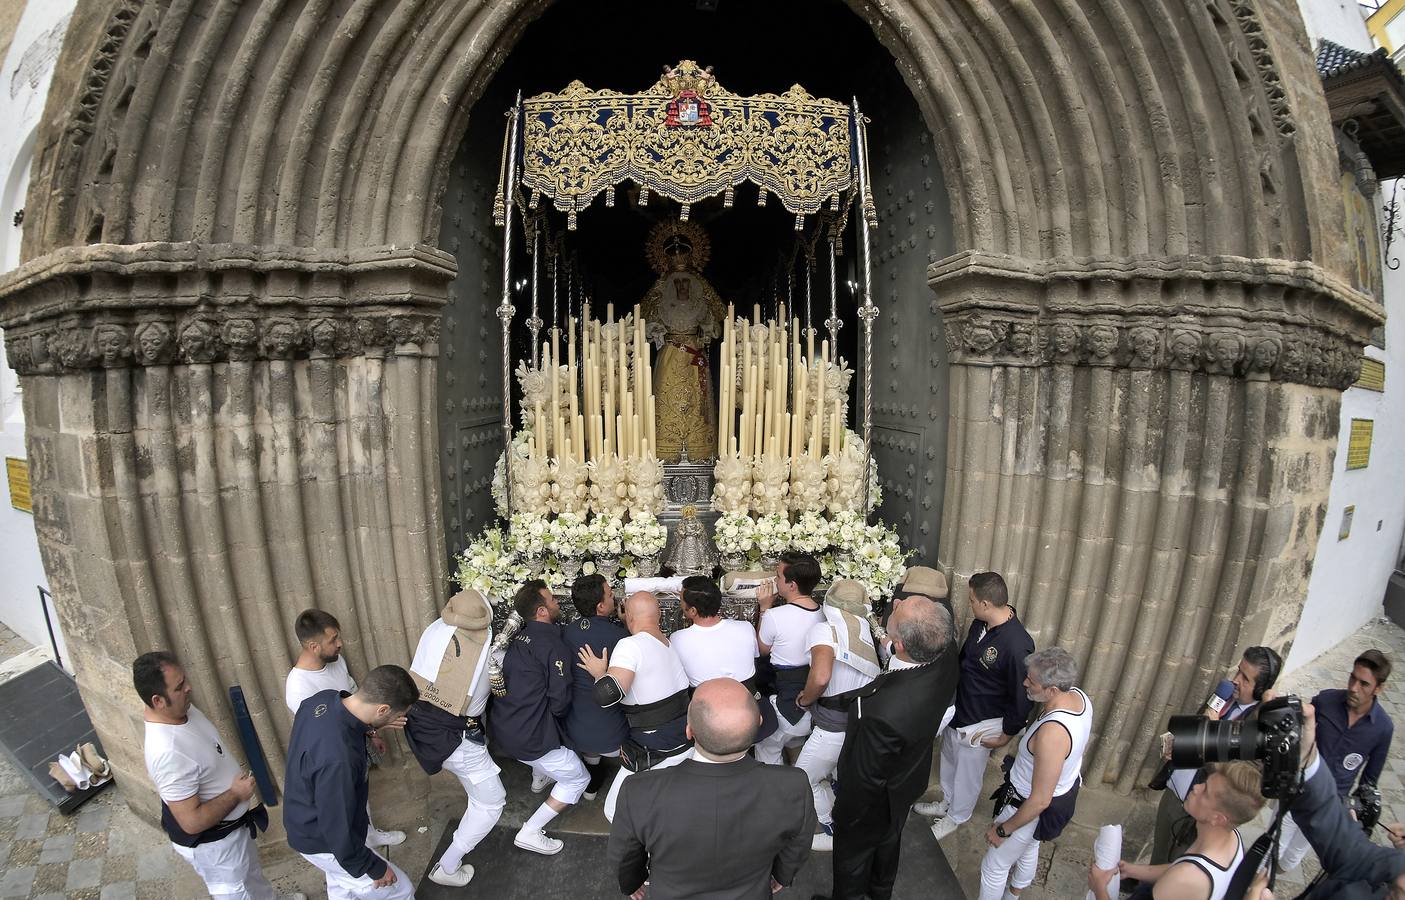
(684, 315)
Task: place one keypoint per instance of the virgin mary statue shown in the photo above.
(684, 315)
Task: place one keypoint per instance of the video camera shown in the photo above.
(1366, 804)
(1273, 737)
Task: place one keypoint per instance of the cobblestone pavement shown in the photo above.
(106, 852)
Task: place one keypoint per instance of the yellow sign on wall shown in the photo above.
(1372, 375)
(1358, 448)
(18, 471)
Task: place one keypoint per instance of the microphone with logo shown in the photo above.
(1214, 706)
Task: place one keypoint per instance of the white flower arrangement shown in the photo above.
(568, 536)
(489, 566)
(772, 534)
(870, 554)
(527, 534)
(734, 534)
(605, 537)
(644, 535)
(810, 533)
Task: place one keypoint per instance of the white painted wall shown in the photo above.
(1347, 587)
(24, 85)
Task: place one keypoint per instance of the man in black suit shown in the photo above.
(719, 826)
(887, 752)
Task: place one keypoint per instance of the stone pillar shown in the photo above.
(219, 444)
(1144, 452)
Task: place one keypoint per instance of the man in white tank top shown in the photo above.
(782, 631)
(1043, 782)
(1226, 799)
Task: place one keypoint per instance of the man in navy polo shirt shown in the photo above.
(991, 702)
(325, 788)
(1353, 738)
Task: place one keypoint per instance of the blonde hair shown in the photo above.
(1239, 797)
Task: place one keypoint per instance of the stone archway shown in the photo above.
(227, 327)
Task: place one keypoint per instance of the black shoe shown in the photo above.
(1128, 885)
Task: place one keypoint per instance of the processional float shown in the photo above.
(580, 482)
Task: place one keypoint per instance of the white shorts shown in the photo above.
(566, 768)
(229, 867)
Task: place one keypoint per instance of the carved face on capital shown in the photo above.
(1185, 348)
(279, 337)
(1294, 357)
(324, 336)
(980, 337)
(152, 340)
(1021, 339)
(1102, 341)
(110, 342)
(1228, 348)
(1265, 354)
(1144, 341)
(239, 332)
(1065, 339)
(197, 340)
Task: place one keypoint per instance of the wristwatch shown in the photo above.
(1000, 830)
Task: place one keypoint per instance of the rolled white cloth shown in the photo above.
(1107, 853)
(976, 732)
(653, 585)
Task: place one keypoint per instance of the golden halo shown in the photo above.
(668, 237)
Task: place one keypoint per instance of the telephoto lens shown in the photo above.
(1274, 736)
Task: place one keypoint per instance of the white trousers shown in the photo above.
(962, 771)
(229, 867)
(341, 885)
(614, 795)
(1292, 845)
(818, 758)
(1019, 851)
(478, 774)
(770, 750)
(564, 767)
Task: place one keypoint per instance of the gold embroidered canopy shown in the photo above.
(686, 138)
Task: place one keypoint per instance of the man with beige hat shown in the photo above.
(842, 658)
(445, 726)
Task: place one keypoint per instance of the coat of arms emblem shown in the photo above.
(688, 109)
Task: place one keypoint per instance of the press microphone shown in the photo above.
(1219, 699)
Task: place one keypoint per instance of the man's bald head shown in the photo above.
(921, 628)
(723, 718)
(641, 612)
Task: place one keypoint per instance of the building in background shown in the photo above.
(33, 33)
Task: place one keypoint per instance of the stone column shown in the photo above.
(219, 443)
(1144, 452)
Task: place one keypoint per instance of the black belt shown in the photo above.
(255, 819)
(792, 674)
(644, 716)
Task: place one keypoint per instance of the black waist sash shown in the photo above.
(255, 819)
(1055, 816)
(644, 716)
(790, 681)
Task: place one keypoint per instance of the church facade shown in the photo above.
(255, 326)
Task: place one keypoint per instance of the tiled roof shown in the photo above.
(1333, 59)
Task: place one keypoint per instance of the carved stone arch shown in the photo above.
(1164, 166)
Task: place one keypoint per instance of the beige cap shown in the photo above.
(924, 580)
(467, 609)
(848, 595)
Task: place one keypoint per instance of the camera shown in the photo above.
(1273, 737)
(1366, 803)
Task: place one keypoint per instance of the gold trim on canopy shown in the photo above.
(685, 138)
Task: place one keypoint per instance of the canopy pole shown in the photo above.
(505, 311)
(868, 312)
(833, 323)
(809, 279)
(534, 323)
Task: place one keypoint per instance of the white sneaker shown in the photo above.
(943, 827)
(380, 838)
(537, 842)
(541, 782)
(937, 809)
(822, 842)
(457, 878)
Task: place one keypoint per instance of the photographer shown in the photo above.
(1353, 866)
(1249, 686)
(1353, 737)
(1226, 799)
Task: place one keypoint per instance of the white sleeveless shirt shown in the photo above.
(1079, 725)
(1219, 877)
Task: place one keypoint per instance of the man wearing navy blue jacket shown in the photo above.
(325, 788)
(527, 722)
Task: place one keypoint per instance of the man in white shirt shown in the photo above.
(205, 797)
(441, 739)
(711, 646)
(320, 667)
(646, 678)
(842, 658)
(782, 631)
